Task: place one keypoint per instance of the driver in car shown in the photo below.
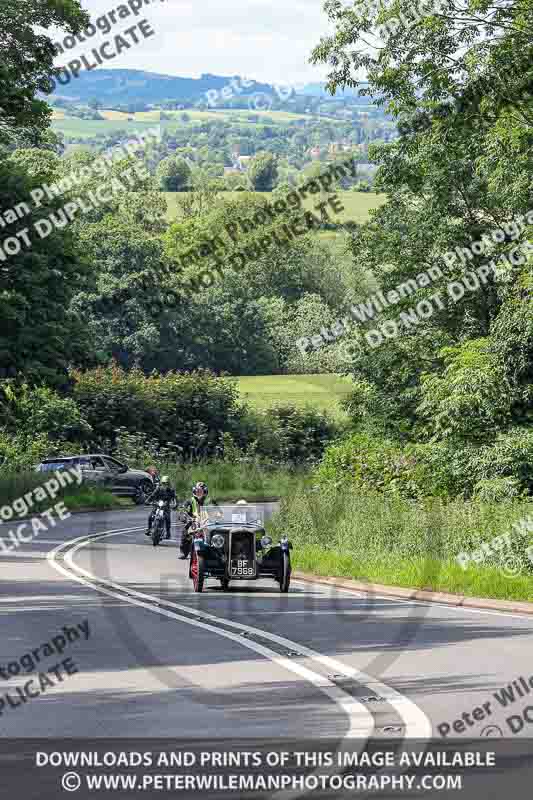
(193, 508)
(166, 493)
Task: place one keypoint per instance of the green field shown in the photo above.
(323, 392)
(91, 128)
(357, 204)
(239, 115)
(118, 120)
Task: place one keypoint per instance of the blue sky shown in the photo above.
(268, 40)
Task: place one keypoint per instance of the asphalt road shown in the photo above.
(153, 659)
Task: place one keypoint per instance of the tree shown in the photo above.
(263, 172)
(26, 61)
(123, 313)
(173, 174)
(42, 166)
(459, 85)
(39, 335)
(55, 142)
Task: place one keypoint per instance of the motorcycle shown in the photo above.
(158, 522)
(187, 535)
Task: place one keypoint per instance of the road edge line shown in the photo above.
(400, 592)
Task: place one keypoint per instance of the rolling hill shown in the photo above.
(119, 86)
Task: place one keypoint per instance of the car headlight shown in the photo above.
(217, 541)
(266, 541)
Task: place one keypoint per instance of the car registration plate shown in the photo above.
(242, 568)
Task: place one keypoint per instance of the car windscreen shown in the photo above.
(234, 514)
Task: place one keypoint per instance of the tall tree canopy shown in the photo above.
(459, 82)
(26, 61)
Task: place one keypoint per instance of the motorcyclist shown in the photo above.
(193, 508)
(154, 474)
(166, 493)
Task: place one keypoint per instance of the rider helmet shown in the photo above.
(200, 486)
(165, 480)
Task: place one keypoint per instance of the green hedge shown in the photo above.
(502, 470)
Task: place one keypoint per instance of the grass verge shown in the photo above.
(415, 573)
(341, 531)
(229, 481)
(16, 488)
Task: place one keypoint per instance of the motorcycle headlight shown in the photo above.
(217, 541)
(266, 541)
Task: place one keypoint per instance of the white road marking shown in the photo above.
(33, 541)
(417, 724)
(360, 719)
(431, 603)
(22, 554)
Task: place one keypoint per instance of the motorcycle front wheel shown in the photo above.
(157, 532)
(198, 572)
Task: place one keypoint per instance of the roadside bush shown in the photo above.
(365, 462)
(233, 481)
(302, 433)
(436, 469)
(44, 412)
(511, 456)
(184, 411)
(23, 451)
(497, 490)
(192, 417)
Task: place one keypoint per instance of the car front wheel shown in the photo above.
(285, 578)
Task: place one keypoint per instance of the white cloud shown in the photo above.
(269, 41)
